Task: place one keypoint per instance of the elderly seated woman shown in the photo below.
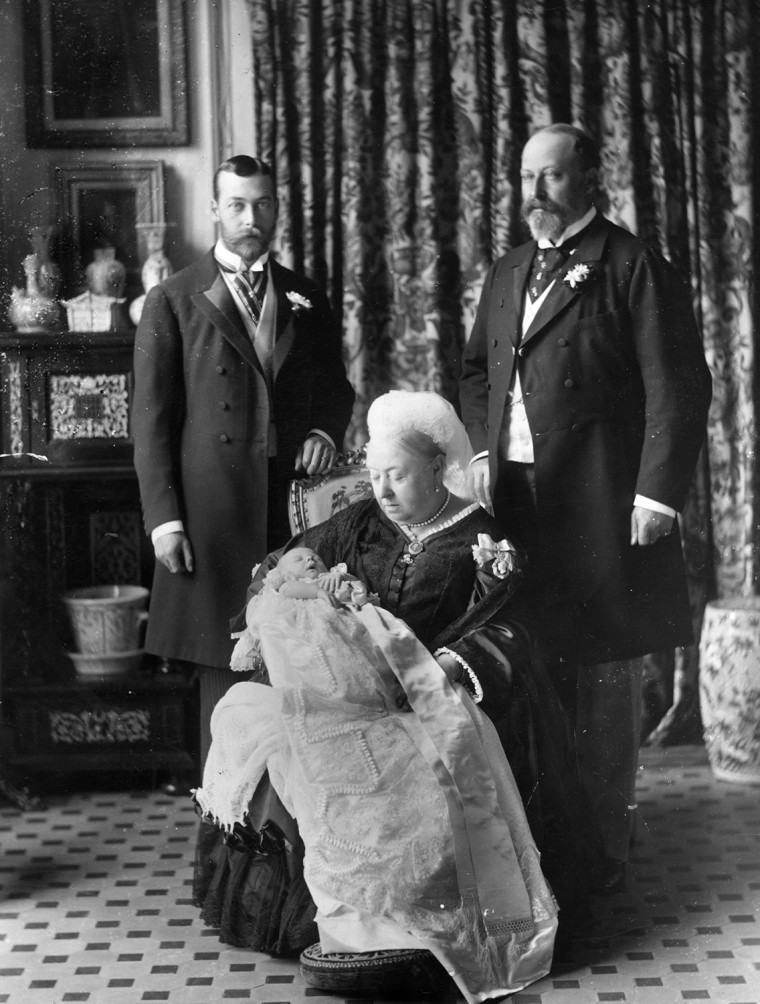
(388, 821)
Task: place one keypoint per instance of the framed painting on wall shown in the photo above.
(105, 73)
(105, 205)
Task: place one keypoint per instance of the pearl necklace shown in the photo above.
(415, 545)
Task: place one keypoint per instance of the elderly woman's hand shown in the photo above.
(450, 666)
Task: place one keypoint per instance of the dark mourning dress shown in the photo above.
(251, 886)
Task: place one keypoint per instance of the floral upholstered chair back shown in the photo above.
(313, 500)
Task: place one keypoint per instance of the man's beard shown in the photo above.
(249, 247)
(546, 220)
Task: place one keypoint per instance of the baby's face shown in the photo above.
(303, 562)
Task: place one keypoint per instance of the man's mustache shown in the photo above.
(547, 206)
(247, 238)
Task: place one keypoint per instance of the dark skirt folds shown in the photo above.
(250, 886)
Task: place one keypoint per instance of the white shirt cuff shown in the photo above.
(483, 455)
(646, 503)
(318, 432)
(173, 526)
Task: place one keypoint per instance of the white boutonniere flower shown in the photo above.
(501, 556)
(577, 275)
(298, 302)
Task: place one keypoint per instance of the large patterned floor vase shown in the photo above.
(729, 688)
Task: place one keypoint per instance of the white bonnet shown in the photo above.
(399, 411)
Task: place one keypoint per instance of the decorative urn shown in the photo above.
(156, 266)
(106, 275)
(35, 308)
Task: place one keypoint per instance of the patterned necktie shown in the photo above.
(546, 264)
(251, 292)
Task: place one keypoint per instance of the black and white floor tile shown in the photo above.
(95, 905)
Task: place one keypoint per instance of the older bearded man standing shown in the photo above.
(585, 393)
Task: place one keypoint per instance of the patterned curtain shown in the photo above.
(396, 127)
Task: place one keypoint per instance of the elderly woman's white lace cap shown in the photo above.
(394, 414)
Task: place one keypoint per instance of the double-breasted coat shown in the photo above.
(201, 413)
(616, 391)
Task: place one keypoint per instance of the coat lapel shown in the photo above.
(285, 326)
(561, 294)
(283, 346)
(284, 309)
(215, 303)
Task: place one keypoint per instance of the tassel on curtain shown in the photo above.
(396, 127)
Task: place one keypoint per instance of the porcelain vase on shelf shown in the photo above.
(35, 307)
(100, 307)
(156, 266)
(106, 275)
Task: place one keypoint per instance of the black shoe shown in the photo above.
(608, 878)
(396, 973)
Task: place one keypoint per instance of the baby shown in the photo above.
(301, 574)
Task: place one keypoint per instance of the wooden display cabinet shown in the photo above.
(70, 516)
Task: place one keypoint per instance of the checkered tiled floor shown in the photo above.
(94, 905)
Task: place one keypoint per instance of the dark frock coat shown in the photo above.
(200, 417)
(616, 391)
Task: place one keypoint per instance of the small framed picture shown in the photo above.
(105, 73)
(104, 206)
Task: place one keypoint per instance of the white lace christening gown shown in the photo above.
(414, 830)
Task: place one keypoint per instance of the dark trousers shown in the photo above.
(602, 701)
(514, 505)
(278, 524)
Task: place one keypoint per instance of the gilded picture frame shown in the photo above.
(105, 73)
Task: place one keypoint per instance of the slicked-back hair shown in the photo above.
(244, 167)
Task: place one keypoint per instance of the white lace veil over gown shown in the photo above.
(414, 830)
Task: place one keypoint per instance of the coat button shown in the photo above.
(224, 438)
(521, 352)
(576, 427)
(220, 369)
(224, 406)
(569, 383)
(562, 342)
(495, 342)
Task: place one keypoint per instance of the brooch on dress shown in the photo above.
(415, 545)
